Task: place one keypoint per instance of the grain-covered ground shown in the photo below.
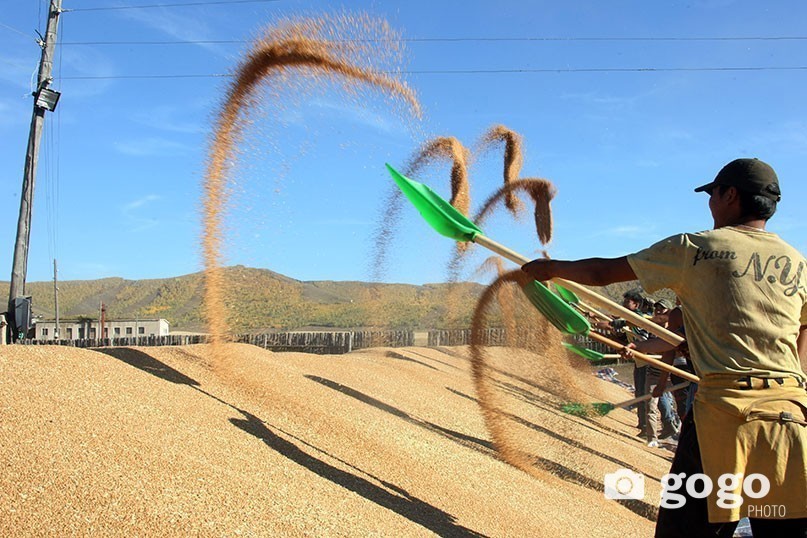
(382, 442)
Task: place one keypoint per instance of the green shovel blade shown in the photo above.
(567, 295)
(590, 354)
(565, 318)
(440, 215)
(587, 410)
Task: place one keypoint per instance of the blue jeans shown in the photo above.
(665, 406)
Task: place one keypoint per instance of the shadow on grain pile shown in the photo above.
(468, 441)
(401, 357)
(393, 498)
(389, 496)
(150, 365)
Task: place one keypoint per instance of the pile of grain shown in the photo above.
(157, 441)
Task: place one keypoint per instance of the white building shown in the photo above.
(71, 329)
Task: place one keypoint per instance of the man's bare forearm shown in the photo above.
(591, 271)
(655, 346)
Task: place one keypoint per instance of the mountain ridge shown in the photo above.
(259, 300)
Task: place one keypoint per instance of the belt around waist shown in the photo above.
(750, 382)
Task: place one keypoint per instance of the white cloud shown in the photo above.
(628, 232)
(184, 27)
(133, 213)
(17, 113)
(596, 98)
(342, 112)
(789, 136)
(358, 115)
(152, 147)
(85, 62)
(140, 202)
(21, 71)
(169, 118)
(677, 135)
(647, 163)
(787, 224)
(87, 270)
(345, 222)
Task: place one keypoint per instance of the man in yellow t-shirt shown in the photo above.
(744, 293)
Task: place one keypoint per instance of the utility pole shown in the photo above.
(44, 99)
(56, 300)
(102, 321)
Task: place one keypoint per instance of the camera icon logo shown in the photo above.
(624, 484)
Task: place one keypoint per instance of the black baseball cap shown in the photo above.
(749, 175)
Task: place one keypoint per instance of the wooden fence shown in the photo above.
(333, 342)
(145, 341)
(498, 337)
(453, 337)
(584, 341)
(462, 337)
(329, 342)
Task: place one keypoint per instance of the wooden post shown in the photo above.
(56, 301)
(19, 268)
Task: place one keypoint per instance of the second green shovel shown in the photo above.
(447, 221)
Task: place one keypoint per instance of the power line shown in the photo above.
(118, 77)
(613, 38)
(484, 71)
(200, 42)
(462, 39)
(15, 30)
(597, 70)
(109, 8)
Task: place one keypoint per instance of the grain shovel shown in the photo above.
(603, 408)
(589, 354)
(447, 221)
(595, 356)
(535, 297)
(572, 298)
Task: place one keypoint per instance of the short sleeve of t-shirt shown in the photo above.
(661, 265)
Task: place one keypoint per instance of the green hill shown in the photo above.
(259, 300)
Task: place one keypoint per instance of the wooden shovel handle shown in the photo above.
(603, 302)
(594, 312)
(645, 358)
(619, 310)
(645, 397)
(618, 356)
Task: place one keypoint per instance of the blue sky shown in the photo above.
(624, 126)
